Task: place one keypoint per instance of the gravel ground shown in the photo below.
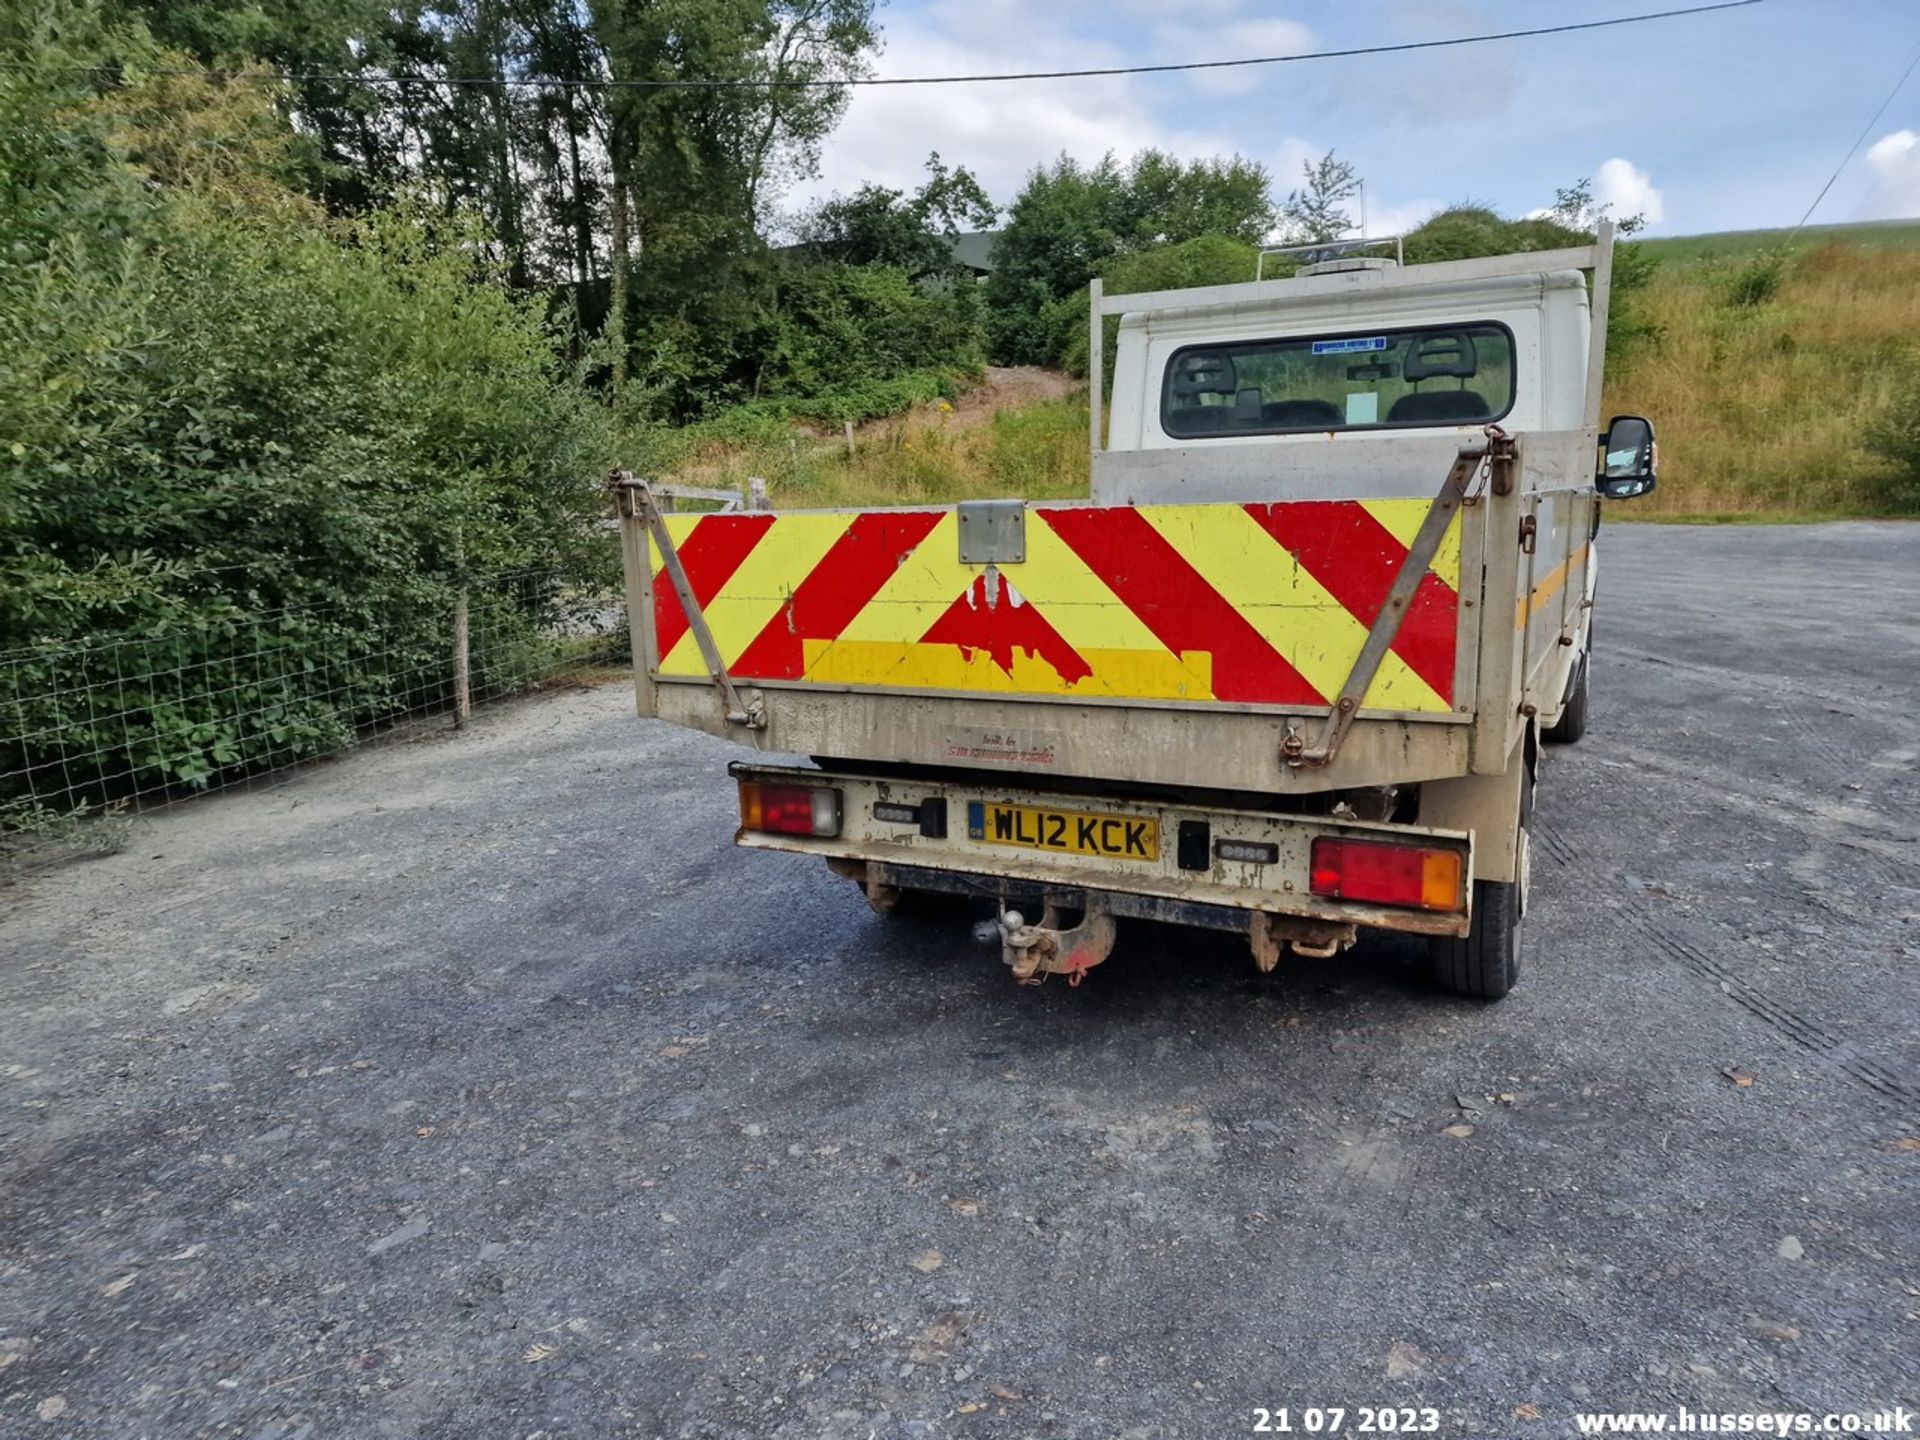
(477, 1087)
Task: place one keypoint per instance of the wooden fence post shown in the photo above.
(462, 656)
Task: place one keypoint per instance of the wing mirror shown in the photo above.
(1629, 458)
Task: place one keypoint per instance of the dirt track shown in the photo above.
(478, 1088)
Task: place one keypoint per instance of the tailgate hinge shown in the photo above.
(635, 500)
(1496, 457)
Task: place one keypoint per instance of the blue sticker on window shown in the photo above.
(1347, 347)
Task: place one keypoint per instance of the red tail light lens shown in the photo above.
(1387, 874)
(789, 809)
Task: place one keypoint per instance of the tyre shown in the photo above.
(1572, 723)
(1484, 964)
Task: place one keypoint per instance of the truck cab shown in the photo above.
(1345, 369)
(1359, 383)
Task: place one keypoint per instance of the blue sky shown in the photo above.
(1709, 122)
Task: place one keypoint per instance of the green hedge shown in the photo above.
(251, 441)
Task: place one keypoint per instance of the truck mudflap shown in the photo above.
(1288, 882)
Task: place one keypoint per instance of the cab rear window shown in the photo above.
(1364, 380)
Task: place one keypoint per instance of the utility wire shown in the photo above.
(873, 80)
(1847, 159)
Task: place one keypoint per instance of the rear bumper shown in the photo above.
(1207, 889)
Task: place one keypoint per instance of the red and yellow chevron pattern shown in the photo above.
(1260, 604)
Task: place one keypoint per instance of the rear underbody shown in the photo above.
(1283, 878)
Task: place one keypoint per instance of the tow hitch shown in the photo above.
(1034, 952)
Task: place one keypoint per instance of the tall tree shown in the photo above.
(876, 225)
(1166, 202)
(1316, 212)
(1070, 219)
(1574, 207)
(695, 166)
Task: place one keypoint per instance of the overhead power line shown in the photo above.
(501, 82)
(1859, 139)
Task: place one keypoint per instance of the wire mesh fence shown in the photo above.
(101, 728)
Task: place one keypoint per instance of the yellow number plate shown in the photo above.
(1069, 832)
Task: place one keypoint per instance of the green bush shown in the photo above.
(814, 328)
(1465, 232)
(245, 448)
(1204, 260)
(1758, 280)
(1895, 438)
(840, 327)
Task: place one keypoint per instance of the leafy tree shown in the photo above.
(1574, 207)
(646, 202)
(693, 167)
(879, 226)
(1316, 212)
(356, 131)
(1070, 219)
(1165, 202)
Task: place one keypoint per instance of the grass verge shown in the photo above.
(927, 455)
(1766, 376)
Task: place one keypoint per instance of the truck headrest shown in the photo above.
(1203, 375)
(1440, 352)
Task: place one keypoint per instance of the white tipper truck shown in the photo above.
(1285, 672)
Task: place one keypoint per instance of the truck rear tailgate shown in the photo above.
(1261, 604)
(1178, 643)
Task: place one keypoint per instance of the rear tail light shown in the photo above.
(789, 809)
(1387, 874)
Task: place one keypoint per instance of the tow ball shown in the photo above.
(1034, 952)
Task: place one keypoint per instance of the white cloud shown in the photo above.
(998, 131)
(1002, 131)
(1626, 190)
(1894, 160)
(1287, 161)
(1234, 40)
(1399, 219)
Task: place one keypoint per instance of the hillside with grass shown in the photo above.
(1785, 385)
(1743, 244)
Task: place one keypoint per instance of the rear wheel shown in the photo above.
(1572, 723)
(1484, 963)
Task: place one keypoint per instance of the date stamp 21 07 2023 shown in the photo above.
(1334, 1419)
